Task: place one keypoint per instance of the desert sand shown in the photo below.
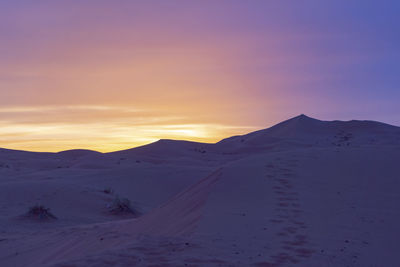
(304, 192)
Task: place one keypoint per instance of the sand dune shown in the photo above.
(301, 193)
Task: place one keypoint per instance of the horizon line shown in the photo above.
(193, 141)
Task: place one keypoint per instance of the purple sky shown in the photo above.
(202, 70)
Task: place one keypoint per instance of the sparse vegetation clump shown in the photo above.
(108, 190)
(40, 212)
(121, 206)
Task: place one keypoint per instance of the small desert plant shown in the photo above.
(40, 212)
(108, 190)
(120, 206)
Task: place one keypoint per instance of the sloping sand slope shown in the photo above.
(302, 193)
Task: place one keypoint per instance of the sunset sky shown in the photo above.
(110, 75)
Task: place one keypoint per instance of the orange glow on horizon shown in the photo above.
(83, 129)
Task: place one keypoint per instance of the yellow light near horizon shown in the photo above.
(84, 130)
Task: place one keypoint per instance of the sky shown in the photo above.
(111, 75)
